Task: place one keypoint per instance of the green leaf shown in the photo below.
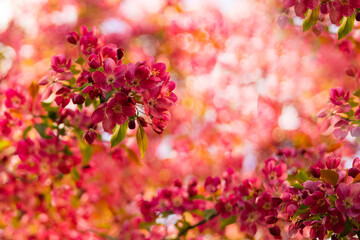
(73, 70)
(146, 225)
(41, 129)
(297, 185)
(86, 151)
(347, 228)
(227, 221)
(209, 213)
(67, 151)
(301, 176)
(347, 24)
(357, 93)
(26, 131)
(302, 209)
(142, 141)
(329, 176)
(312, 16)
(79, 60)
(119, 134)
(198, 196)
(88, 101)
(75, 174)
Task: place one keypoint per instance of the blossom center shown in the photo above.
(117, 108)
(348, 202)
(154, 72)
(110, 79)
(321, 202)
(334, 220)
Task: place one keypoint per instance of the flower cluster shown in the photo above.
(323, 201)
(313, 11)
(120, 93)
(343, 113)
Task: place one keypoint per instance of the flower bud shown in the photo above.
(72, 37)
(120, 53)
(90, 136)
(78, 99)
(142, 121)
(94, 61)
(64, 168)
(332, 162)
(275, 231)
(132, 124)
(315, 171)
(353, 172)
(270, 219)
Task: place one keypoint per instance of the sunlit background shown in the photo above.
(245, 85)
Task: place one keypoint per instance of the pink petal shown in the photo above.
(344, 108)
(340, 134)
(342, 191)
(120, 118)
(109, 65)
(87, 89)
(47, 93)
(98, 77)
(128, 110)
(108, 125)
(148, 84)
(97, 116)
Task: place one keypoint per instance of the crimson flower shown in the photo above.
(212, 184)
(94, 60)
(63, 97)
(318, 202)
(155, 105)
(334, 221)
(59, 63)
(317, 231)
(274, 171)
(89, 41)
(157, 71)
(332, 162)
(224, 207)
(137, 76)
(117, 110)
(338, 96)
(113, 77)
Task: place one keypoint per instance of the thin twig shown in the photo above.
(184, 231)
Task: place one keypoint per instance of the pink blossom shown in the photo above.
(114, 76)
(137, 77)
(14, 99)
(155, 104)
(59, 63)
(212, 184)
(63, 96)
(334, 221)
(274, 171)
(318, 202)
(348, 200)
(341, 129)
(338, 96)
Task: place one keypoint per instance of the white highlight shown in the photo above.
(289, 118)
